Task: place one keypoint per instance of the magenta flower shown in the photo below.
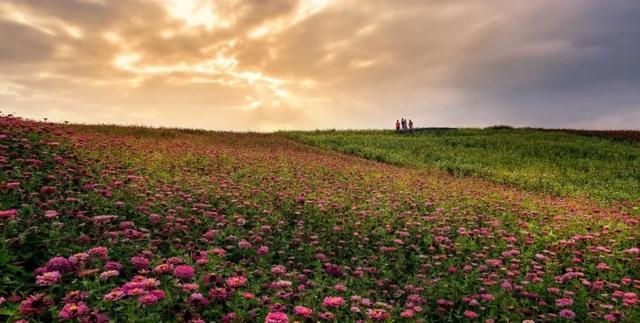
(113, 265)
(276, 317)
(184, 272)
(198, 299)
(140, 262)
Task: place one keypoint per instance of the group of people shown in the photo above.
(403, 124)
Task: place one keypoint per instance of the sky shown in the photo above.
(265, 65)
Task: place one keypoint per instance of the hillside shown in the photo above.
(567, 163)
(156, 225)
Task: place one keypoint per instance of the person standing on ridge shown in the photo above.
(410, 125)
(397, 125)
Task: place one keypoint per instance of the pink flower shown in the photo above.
(470, 314)
(35, 305)
(73, 310)
(48, 278)
(407, 314)
(276, 317)
(564, 302)
(114, 295)
(236, 281)
(633, 251)
(75, 296)
(158, 293)
(49, 214)
(147, 299)
(219, 294)
(506, 285)
(487, 297)
(162, 269)
(13, 185)
(8, 214)
(113, 265)
(184, 272)
(567, 314)
(155, 218)
(48, 190)
(326, 316)
(101, 252)
(333, 301)
(244, 244)
(263, 250)
(303, 311)
(247, 295)
(494, 262)
(278, 270)
(108, 274)
(378, 314)
(602, 266)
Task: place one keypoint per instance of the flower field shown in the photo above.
(104, 223)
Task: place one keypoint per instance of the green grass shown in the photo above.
(554, 162)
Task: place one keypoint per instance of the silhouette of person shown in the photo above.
(410, 124)
(397, 124)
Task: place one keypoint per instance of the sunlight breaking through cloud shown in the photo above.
(322, 63)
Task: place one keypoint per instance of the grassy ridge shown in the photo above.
(560, 163)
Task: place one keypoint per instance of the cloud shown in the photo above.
(269, 64)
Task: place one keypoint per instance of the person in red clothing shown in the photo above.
(397, 124)
(410, 124)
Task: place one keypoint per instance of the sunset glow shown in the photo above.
(321, 63)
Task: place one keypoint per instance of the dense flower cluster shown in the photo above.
(169, 225)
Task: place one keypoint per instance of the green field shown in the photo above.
(548, 161)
